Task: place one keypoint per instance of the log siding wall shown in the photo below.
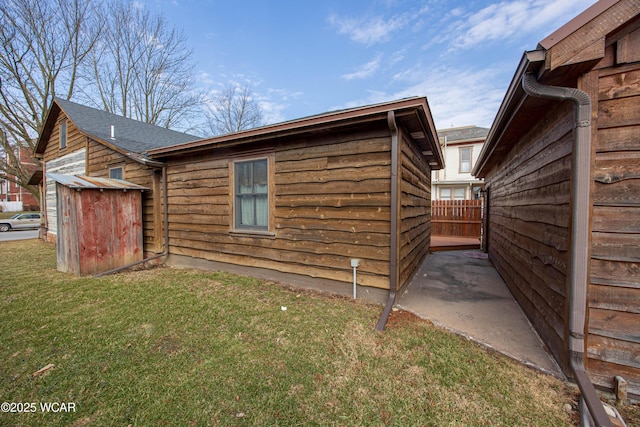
(613, 342)
(331, 204)
(529, 203)
(415, 209)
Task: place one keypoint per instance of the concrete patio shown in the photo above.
(461, 291)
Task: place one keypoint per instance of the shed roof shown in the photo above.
(129, 135)
(412, 113)
(560, 59)
(79, 182)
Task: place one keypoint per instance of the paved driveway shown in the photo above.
(461, 291)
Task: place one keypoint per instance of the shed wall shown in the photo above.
(528, 235)
(614, 291)
(415, 209)
(98, 230)
(331, 198)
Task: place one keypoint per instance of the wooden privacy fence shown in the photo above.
(456, 218)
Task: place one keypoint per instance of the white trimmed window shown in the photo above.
(465, 160)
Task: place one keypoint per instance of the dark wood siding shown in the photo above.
(331, 204)
(529, 203)
(415, 208)
(101, 158)
(614, 293)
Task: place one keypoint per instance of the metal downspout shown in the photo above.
(165, 231)
(578, 272)
(391, 121)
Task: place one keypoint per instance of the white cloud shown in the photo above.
(456, 97)
(499, 21)
(274, 102)
(365, 70)
(369, 31)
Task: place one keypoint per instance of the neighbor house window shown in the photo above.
(458, 194)
(116, 173)
(465, 160)
(251, 189)
(445, 193)
(63, 134)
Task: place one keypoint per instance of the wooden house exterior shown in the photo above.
(99, 224)
(528, 164)
(79, 140)
(303, 198)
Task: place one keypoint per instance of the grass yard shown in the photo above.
(182, 347)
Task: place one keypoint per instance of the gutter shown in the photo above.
(579, 263)
(393, 276)
(156, 165)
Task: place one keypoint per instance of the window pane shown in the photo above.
(243, 178)
(445, 193)
(459, 193)
(465, 160)
(247, 208)
(262, 211)
(260, 175)
(115, 173)
(63, 135)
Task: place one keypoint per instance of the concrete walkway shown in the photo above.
(461, 291)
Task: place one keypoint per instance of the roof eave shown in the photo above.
(49, 122)
(307, 124)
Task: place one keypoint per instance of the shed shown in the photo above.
(563, 189)
(308, 200)
(99, 223)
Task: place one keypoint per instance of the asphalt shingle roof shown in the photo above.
(463, 133)
(130, 135)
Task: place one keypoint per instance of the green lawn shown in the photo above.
(182, 347)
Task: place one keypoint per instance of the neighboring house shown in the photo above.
(302, 200)
(461, 147)
(79, 140)
(15, 196)
(563, 186)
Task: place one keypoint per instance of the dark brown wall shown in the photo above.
(614, 290)
(529, 196)
(415, 208)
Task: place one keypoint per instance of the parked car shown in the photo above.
(21, 221)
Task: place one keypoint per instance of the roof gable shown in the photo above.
(129, 135)
(574, 49)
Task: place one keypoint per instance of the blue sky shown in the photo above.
(305, 57)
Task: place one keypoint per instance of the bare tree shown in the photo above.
(142, 69)
(42, 44)
(234, 109)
